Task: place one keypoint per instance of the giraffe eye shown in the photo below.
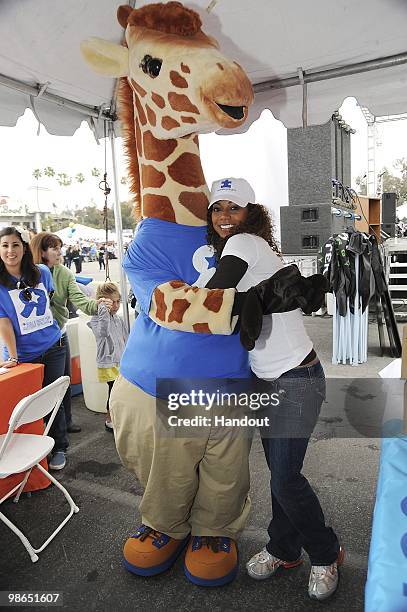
(151, 65)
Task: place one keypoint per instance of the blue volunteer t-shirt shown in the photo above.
(161, 252)
(34, 326)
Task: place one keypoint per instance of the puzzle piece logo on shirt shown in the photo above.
(34, 314)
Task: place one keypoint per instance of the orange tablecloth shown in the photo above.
(22, 380)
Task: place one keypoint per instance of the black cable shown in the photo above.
(104, 186)
(352, 191)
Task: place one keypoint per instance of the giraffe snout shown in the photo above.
(228, 96)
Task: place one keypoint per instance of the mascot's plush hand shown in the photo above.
(284, 291)
(313, 291)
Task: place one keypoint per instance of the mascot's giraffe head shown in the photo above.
(175, 84)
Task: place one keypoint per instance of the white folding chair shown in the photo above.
(20, 452)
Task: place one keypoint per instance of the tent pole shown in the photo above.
(34, 90)
(312, 76)
(119, 229)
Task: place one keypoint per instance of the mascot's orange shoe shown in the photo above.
(211, 561)
(149, 552)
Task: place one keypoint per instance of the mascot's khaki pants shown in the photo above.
(196, 484)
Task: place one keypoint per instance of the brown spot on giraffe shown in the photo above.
(155, 149)
(178, 80)
(160, 303)
(201, 328)
(176, 284)
(168, 123)
(214, 300)
(188, 119)
(181, 102)
(185, 68)
(220, 66)
(152, 177)
(193, 289)
(140, 111)
(196, 140)
(187, 170)
(139, 139)
(158, 100)
(152, 118)
(196, 203)
(179, 307)
(158, 206)
(142, 92)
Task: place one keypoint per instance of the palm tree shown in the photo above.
(63, 179)
(48, 171)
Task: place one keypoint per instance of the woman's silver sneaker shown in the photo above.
(323, 579)
(263, 565)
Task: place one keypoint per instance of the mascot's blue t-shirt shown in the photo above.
(161, 252)
(34, 326)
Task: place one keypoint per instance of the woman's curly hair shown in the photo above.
(258, 222)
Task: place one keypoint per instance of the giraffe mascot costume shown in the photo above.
(175, 83)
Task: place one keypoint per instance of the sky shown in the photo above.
(259, 155)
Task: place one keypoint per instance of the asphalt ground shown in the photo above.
(84, 561)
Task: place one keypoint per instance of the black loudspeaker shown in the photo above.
(388, 208)
(304, 229)
(390, 229)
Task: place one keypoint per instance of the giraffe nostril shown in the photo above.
(220, 66)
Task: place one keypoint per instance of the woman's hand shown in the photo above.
(8, 364)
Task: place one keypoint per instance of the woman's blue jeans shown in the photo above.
(54, 362)
(297, 521)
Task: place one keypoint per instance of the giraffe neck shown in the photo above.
(172, 183)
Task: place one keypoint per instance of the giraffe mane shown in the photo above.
(172, 18)
(126, 109)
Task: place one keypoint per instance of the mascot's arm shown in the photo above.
(212, 309)
(176, 305)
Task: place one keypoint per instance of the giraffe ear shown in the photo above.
(106, 57)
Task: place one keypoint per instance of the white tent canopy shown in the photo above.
(83, 232)
(271, 39)
(41, 67)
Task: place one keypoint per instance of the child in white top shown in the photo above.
(111, 337)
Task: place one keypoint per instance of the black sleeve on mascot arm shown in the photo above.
(276, 294)
(229, 273)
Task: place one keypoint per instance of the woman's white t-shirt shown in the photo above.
(283, 342)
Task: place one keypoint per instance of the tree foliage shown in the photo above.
(397, 184)
(63, 179)
(49, 171)
(393, 183)
(93, 217)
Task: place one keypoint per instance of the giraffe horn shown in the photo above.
(123, 14)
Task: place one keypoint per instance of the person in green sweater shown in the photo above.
(46, 249)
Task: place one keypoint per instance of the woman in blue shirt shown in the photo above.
(27, 328)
